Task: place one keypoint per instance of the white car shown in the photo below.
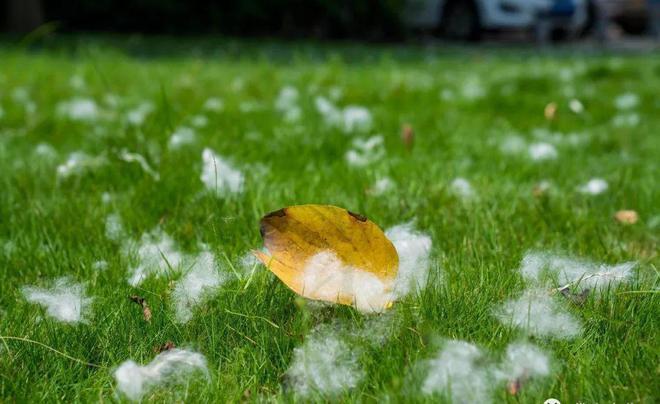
(467, 19)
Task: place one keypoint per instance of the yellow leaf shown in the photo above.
(323, 252)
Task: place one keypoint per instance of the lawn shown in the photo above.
(105, 192)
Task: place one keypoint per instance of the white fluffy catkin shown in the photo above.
(134, 380)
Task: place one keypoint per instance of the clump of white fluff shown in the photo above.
(79, 109)
(325, 277)
(196, 285)
(78, 163)
(356, 119)
(157, 253)
(214, 104)
(538, 313)
(171, 366)
(182, 136)
(465, 373)
(65, 301)
(324, 364)
(462, 188)
(382, 186)
(129, 157)
(351, 119)
(114, 228)
(366, 151)
(542, 151)
(414, 249)
(218, 175)
(523, 361)
(594, 186)
(456, 372)
(139, 114)
(565, 270)
(626, 101)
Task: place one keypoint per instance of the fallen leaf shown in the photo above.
(327, 253)
(627, 216)
(165, 347)
(407, 136)
(146, 311)
(550, 111)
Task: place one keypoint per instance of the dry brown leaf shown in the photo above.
(165, 347)
(407, 136)
(146, 311)
(627, 216)
(323, 252)
(550, 111)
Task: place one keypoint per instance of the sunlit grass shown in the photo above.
(462, 107)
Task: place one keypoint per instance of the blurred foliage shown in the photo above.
(371, 19)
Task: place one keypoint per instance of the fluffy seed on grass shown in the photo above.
(542, 151)
(171, 366)
(365, 151)
(199, 121)
(522, 361)
(382, 186)
(536, 267)
(214, 104)
(181, 137)
(414, 249)
(139, 114)
(65, 301)
(78, 163)
(114, 228)
(129, 157)
(196, 285)
(218, 175)
(576, 106)
(626, 101)
(100, 265)
(462, 188)
(324, 364)
(594, 186)
(537, 313)
(156, 252)
(79, 109)
(456, 372)
(356, 119)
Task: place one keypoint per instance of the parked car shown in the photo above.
(468, 19)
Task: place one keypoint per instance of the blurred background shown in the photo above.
(542, 21)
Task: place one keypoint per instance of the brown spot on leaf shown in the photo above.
(358, 216)
(277, 213)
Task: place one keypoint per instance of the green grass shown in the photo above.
(53, 228)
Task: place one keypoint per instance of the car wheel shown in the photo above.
(460, 21)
